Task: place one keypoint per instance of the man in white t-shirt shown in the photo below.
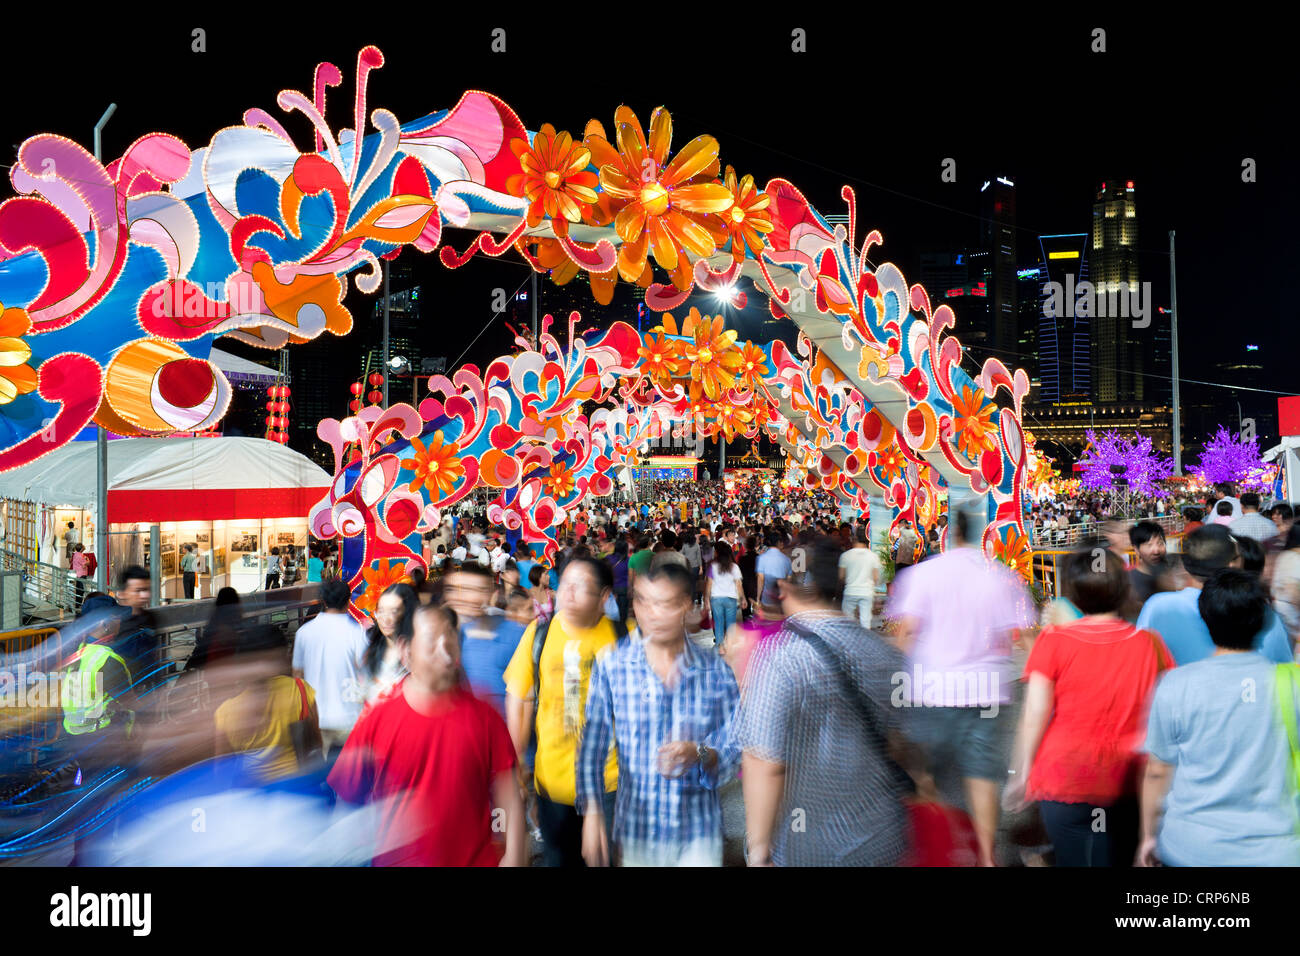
(328, 653)
(860, 572)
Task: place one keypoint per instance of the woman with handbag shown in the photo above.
(1079, 748)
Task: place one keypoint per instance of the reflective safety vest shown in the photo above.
(81, 692)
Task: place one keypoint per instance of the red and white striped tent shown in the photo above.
(176, 479)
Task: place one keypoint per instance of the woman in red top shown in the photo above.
(1078, 751)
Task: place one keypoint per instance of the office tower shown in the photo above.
(998, 240)
(1064, 358)
(1120, 351)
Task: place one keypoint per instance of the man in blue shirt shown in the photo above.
(666, 705)
(487, 641)
(1174, 615)
(772, 566)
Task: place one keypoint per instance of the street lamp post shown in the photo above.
(387, 370)
(101, 436)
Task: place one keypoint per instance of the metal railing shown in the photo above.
(47, 589)
(1052, 537)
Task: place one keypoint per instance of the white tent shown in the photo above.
(152, 479)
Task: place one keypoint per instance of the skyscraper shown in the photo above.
(1120, 351)
(998, 239)
(1064, 359)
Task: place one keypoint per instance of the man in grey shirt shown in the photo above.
(820, 788)
(1252, 524)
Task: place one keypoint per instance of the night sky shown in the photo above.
(876, 102)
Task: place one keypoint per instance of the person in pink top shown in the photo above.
(958, 614)
(1079, 748)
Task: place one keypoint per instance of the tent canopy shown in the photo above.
(176, 479)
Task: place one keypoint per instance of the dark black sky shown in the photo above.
(878, 101)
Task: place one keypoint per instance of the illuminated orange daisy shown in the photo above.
(892, 462)
(753, 365)
(1014, 552)
(713, 358)
(657, 205)
(973, 421)
(662, 362)
(378, 580)
(555, 180)
(560, 481)
(16, 376)
(748, 220)
(436, 467)
(731, 419)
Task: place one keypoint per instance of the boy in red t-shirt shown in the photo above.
(437, 762)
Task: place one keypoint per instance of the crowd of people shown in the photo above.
(740, 639)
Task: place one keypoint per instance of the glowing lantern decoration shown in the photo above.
(375, 397)
(357, 388)
(270, 406)
(270, 392)
(354, 405)
(375, 379)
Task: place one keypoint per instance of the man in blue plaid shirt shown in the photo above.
(667, 705)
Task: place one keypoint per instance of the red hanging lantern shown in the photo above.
(375, 397)
(375, 379)
(269, 420)
(282, 438)
(271, 392)
(354, 405)
(270, 406)
(357, 388)
(284, 408)
(287, 392)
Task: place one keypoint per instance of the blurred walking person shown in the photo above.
(1079, 748)
(814, 726)
(436, 761)
(958, 614)
(666, 705)
(329, 654)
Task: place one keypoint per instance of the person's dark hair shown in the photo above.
(450, 619)
(822, 584)
(476, 571)
(643, 542)
(1293, 537)
(722, 556)
(1095, 591)
(1233, 606)
(418, 578)
(1252, 554)
(1223, 508)
(442, 549)
(1283, 511)
(132, 572)
(1193, 514)
(79, 548)
(1208, 549)
(676, 575)
(375, 639)
(227, 596)
(1144, 531)
(1250, 500)
(861, 537)
(601, 572)
(620, 547)
(535, 575)
(751, 544)
(334, 594)
(669, 540)
(773, 539)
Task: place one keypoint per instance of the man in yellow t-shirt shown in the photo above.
(578, 634)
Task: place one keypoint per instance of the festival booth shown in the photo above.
(667, 467)
(233, 498)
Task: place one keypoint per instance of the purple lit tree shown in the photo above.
(1230, 458)
(1143, 467)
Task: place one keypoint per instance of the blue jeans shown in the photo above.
(724, 611)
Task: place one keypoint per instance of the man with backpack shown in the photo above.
(546, 692)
